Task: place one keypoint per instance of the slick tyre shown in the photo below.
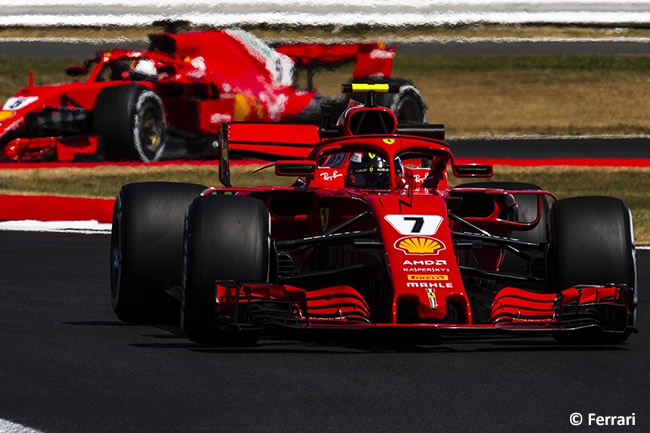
(226, 239)
(146, 254)
(592, 243)
(130, 120)
(408, 105)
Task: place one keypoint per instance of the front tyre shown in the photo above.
(592, 243)
(226, 238)
(130, 120)
(146, 249)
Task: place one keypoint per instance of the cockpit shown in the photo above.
(372, 169)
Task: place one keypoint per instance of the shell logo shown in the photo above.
(242, 108)
(5, 114)
(419, 245)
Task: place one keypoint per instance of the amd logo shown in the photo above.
(425, 262)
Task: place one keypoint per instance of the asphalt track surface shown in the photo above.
(67, 365)
(470, 47)
(551, 147)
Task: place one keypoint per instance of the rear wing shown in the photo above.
(266, 141)
(373, 59)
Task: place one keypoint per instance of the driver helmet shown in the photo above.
(146, 68)
(369, 170)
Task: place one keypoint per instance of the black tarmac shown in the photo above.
(551, 147)
(68, 365)
(73, 49)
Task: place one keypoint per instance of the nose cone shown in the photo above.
(421, 258)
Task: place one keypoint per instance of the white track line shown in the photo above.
(11, 427)
(83, 227)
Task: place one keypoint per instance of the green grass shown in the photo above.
(518, 95)
(14, 73)
(106, 181)
(632, 185)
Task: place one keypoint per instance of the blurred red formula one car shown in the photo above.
(371, 238)
(135, 104)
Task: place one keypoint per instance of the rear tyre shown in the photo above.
(131, 123)
(409, 108)
(592, 242)
(146, 249)
(226, 238)
(408, 105)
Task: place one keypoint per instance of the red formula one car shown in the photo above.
(371, 238)
(136, 104)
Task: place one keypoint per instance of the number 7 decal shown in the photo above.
(425, 225)
(418, 222)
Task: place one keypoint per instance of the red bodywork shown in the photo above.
(203, 79)
(395, 257)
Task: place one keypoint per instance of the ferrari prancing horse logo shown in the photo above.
(324, 217)
(432, 298)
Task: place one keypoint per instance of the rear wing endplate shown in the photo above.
(265, 141)
(372, 58)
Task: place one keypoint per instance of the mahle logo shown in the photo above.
(419, 245)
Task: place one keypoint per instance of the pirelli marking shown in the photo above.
(427, 277)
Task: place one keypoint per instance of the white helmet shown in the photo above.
(146, 67)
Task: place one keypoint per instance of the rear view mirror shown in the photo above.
(295, 168)
(472, 170)
(224, 156)
(76, 71)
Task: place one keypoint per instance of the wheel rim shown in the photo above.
(149, 128)
(151, 131)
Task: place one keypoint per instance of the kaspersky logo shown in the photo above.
(419, 245)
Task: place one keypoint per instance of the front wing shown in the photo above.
(287, 310)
